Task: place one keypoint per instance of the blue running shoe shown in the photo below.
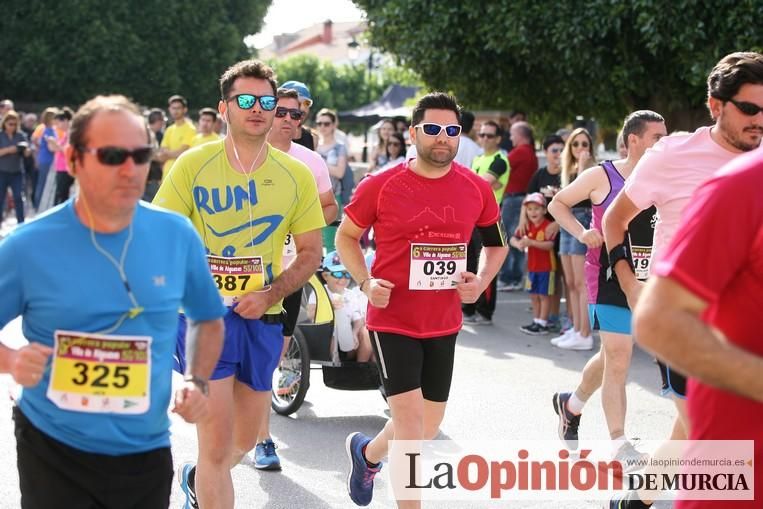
(360, 482)
(265, 457)
(184, 471)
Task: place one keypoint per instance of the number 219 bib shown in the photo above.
(436, 266)
(101, 373)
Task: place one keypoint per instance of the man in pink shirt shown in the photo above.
(667, 177)
(286, 126)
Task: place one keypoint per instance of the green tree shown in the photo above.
(341, 87)
(562, 58)
(53, 53)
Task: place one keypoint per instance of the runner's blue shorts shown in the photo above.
(251, 350)
(607, 318)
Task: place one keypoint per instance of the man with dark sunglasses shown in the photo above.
(423, 213)
(244, 197)
(666, 177)
(285, 126)
(493, 166)
(92, 428)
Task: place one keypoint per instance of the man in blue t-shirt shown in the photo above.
(99, 280)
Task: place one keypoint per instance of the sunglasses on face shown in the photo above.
(323, 124)
(339, 274)
(114, 156)
(487, 135)
(451, 130)
(247, 101)
(747, 108)
(555, 150)
(576, 144)
(294, 113)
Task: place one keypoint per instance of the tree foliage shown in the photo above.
(341, 87)
(57, 52)
(562, 58)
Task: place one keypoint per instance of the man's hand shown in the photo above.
(591, 238)
(190, 403)
(469, 289)
(253, 305)
(378, 292)
(28, 364)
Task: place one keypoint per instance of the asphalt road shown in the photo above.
(502, 389)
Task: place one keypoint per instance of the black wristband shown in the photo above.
(621, 251)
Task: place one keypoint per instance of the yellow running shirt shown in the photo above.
(202, 138)
(175, 137)
(240, 216)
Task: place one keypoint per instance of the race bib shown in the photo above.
(237, 276)
(436, 266)
(100, 373)
(641, 257)
(289, 251)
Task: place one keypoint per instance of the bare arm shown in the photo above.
(561, 206)
(491, 260)
(203, 344)
(377, 290)
(309, 249)
(545, 245)
(329, 206)
(337, 170)
(667, 323)
(615, 225)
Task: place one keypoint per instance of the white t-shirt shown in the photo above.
(667, 175)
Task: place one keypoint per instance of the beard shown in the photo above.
(745, 139)
(439, 158)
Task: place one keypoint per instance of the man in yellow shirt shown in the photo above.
(207, 119)
(178, 137)
(243, 196)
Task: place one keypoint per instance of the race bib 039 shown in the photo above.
(436, 266)
(100, 373)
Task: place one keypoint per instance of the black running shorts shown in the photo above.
(407, 363)
(53, 475)
(673, 382)
(291, 305)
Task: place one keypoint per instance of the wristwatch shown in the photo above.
(200, 383)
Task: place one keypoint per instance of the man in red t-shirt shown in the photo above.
(524, 164)
(423, 212)
(695, 314)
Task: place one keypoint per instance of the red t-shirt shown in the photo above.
(717, 254)
(405, 208)
(539, 260)
(523, 163)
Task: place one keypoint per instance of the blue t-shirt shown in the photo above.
(44, 155)
(52, 275)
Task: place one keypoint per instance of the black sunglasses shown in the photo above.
(577, 144)
(748, 109)
(487, 135)
(247, 101)
(294, 113)
(114, 156)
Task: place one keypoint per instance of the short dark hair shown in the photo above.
(155, 114)
(177, 99)
(246, 69)
(635, 123)
(495, 124)
(435, 101)
(86, 112)
(514, 113)
(467, 121)
(733, 71)
(284, 93)
(208, 111)
(552, 139)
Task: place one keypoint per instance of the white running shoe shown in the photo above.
(563, 337)
(577, 342)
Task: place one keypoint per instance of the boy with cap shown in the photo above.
(541, 261)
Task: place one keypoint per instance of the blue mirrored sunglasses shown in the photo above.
(339, 274)
(451, 130)
(247, 101)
